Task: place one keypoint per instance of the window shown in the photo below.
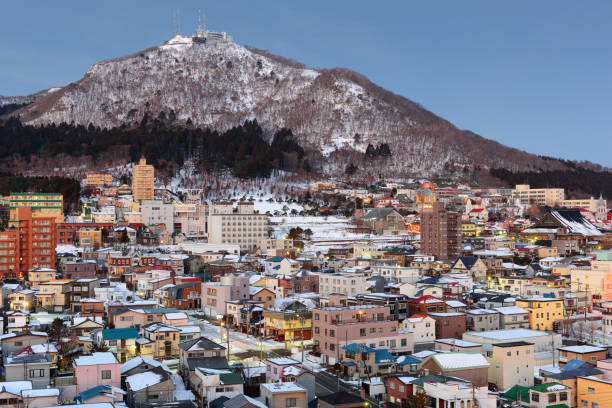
(552, 397)
(584, 403)
(290, 402)
(106, 374)
(591, 390)
(563, 396)
(37, 373)
(594, 405)
(535, 397)
(392, 385)
(508, 353)
(332, 333)
(401, 388)
(275, 370)
(362, 332)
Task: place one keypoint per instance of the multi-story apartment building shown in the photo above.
(190, 219)
(511, 363)
(43, 205)
(337, 325)
(157, 212)
(98, 180)
(440, 231)
(348, 283)
(28, 244)
(143, 181)
(541, 196)
(544, 313)
(243, 227)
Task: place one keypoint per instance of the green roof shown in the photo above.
(120, 334)
(517, 393)
(544, 386)
(558, 406)
(232, 378)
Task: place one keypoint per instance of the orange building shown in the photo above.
(143, 181)
(28, 244)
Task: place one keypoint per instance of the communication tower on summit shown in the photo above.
(202, 35)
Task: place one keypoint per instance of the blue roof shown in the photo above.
(92, 392)
(383, 356)
(574, 364)
(404, 360)
(274, 259)
(357, 348)
(468, 261)
(347, 363)
(120, 334)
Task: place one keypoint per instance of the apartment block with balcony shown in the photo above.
(143, 181)
(243, 227)
(541, 196)
(372, 325)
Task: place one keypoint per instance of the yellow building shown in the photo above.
(468, 229)
(89, 237)
(289, 326)
(594, 392)
(42, 205)
(160, 341)
(143, 181)
(543, 312)
(98, 180)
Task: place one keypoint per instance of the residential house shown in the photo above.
(100, 368)
(53, 296)
(284, 394)
(84, 326)
(18, 321)
(472, 367)
(426, 304)
(361, 361)
(13, 342)
(593, 392)
(449, 324)
(140, 364)
(264, 295)
(208, 385)
(185, 296)
(423, 327)
(22, 300)
(513, 317)
(80, 269)
(29, 367)
(399, 390)
(590, 354)
(162, 341)
(199, 348)
(100, 394)
(122, 342)
(471, 265)
(88, 307)
(544, 313)
(282, 369)
(551, 394)
(380, 219)
(38, 275)
(511, 363)
(482, 320)
(39, 398)
(289, 320)
(457, 345)
(454, 392)
(153, 385)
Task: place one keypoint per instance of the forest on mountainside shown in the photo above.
(241, 149)
(578, 179)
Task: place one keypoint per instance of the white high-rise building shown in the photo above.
(243, 227)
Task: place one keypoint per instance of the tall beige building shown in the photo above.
(244, 227)
(541, 196)
(143, 181)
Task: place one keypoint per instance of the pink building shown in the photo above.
(371, 325)
(282, 369)
(97, 369)
(230, 287)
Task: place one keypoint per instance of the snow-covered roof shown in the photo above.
(175, 316)
(283, 361)
(450, 361)
(96, 359)
(45, 392)
(283, 387)
(510, 334)
(506, 310)
(582, 349)
(136, 361)
(459, 343)
(141, 381)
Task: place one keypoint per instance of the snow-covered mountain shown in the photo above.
(334, 113)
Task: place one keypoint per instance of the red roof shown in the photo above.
(426, 299)
(477, 210)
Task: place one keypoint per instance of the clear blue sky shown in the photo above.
(536, 75)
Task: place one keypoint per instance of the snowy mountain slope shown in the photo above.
(333, 113)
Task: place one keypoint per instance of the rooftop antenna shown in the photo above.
(199, 20)
(178, 18)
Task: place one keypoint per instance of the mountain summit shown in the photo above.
(333, 113)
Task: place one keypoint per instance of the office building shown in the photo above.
(540, 196)
(42, 205)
